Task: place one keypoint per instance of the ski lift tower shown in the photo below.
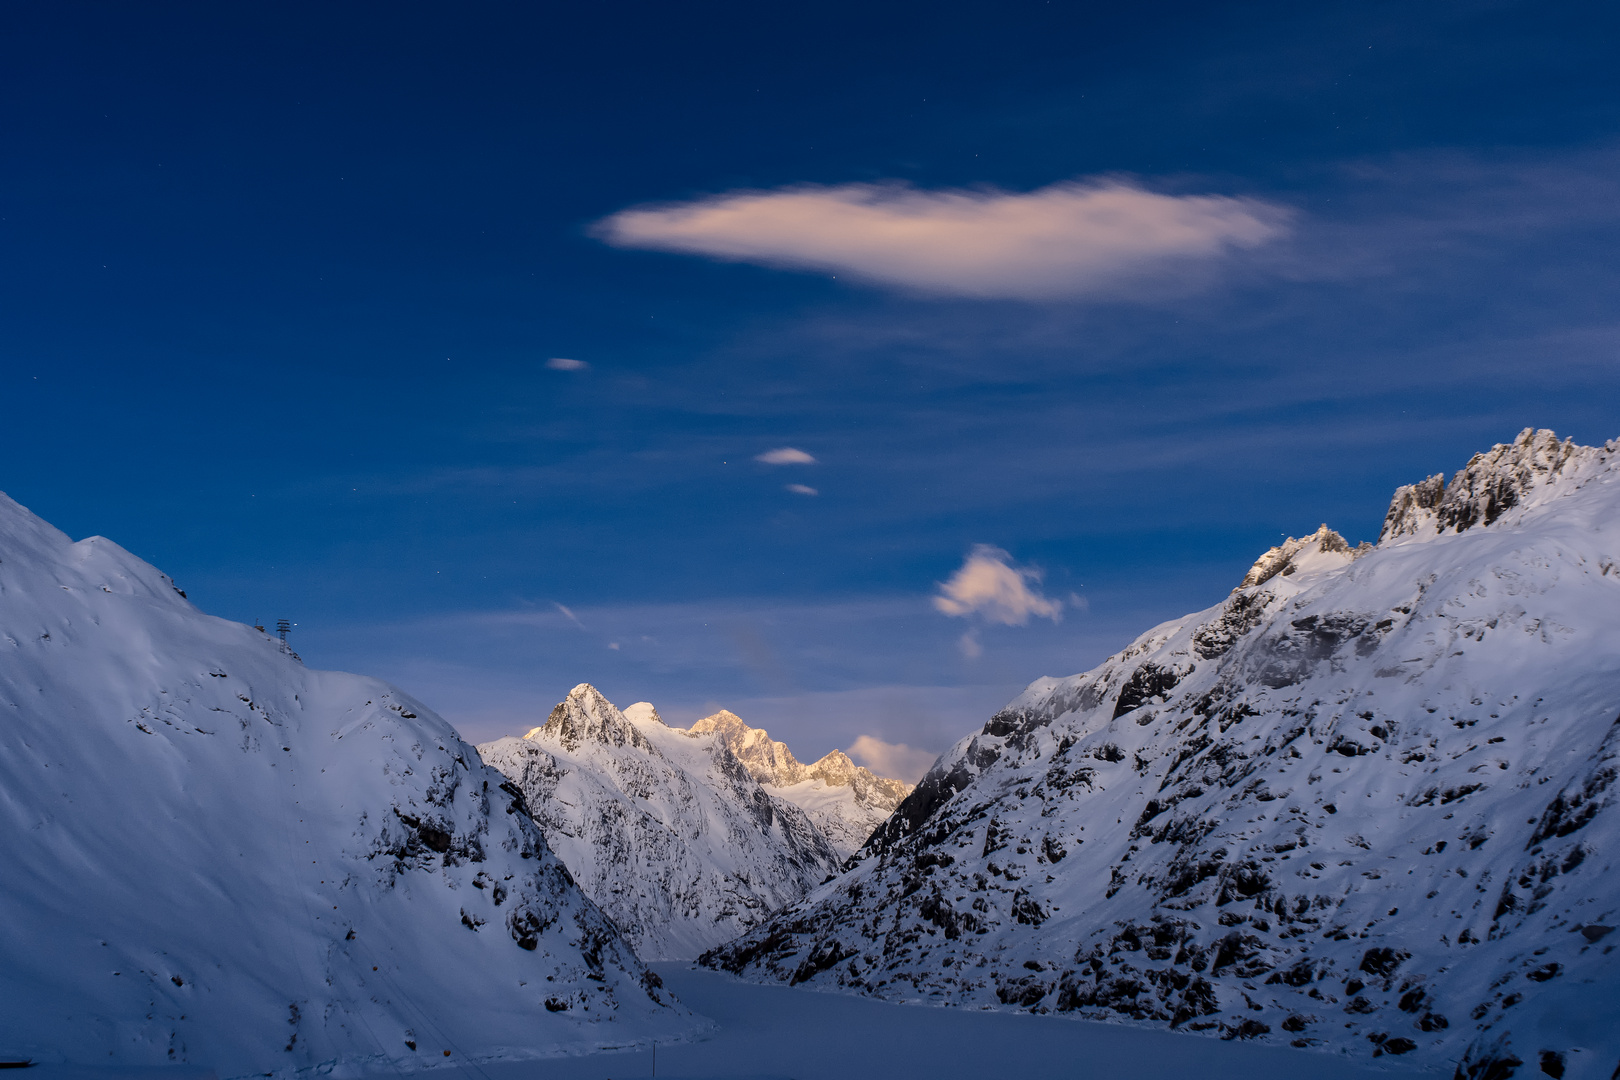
(283, 627)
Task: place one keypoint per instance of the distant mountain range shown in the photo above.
(686, 837)
(1365, 803)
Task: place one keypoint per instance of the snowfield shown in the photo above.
(212, 854)
(1363, 805)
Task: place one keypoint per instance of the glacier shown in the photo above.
(214, 854)
(1363, 805)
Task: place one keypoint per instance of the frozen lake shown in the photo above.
(778, 1033)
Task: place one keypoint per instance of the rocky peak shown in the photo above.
(1319, 550)
(667, 833)
(586, 716)
(1490, 484)
(767, 760)
(837, 770)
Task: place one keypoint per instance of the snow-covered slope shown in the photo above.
(1366, 803)
(845, 800)
(212, 854)
(666, 831)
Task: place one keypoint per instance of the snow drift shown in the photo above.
(214, 855)
(1366, 804)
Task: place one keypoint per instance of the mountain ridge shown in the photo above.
(1360, 804)
(217, 854)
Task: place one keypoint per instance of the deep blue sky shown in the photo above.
(280, 283)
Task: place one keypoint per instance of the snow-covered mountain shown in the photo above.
(845, 800)
(212, 854)
(667, 831)
(1366, 803)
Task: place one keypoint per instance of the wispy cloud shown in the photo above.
(989, 586)
(563, 363)
(969, 645)
(568, 614)
(802, 489)
(896, 760)
(785, 455)
(1067, 240)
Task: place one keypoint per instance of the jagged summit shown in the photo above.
(1323, 549)
(847, 801)
(1367, 806)
(586, 716)
(1522, 475)
(770, 761)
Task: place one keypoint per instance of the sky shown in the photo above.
(848, 366)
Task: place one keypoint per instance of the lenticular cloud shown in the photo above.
(1067, 240)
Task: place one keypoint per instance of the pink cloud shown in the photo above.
(1066, 240)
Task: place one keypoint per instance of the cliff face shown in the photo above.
(213, 854)
(1363, 804)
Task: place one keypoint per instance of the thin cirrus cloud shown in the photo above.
(989, 586)
(785, 455)
(568, 614)
(563, 363)
(802, 489)
(1068, 240)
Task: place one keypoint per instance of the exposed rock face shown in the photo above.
(1492, 483)
(212, 854)
(845, 800)
(1366, 803)
(1292, 556)
(666, 831)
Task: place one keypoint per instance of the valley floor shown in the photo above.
(782, 1033)
(777, 1033)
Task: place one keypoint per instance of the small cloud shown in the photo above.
(896, 760)
(614, 645)
(989, 586)
(969, 644)
(571, 617)
(563, 363)
(785, 455)
(802, 489)
(1065, 240)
